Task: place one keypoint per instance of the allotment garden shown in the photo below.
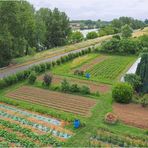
(39, 106)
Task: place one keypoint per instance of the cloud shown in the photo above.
(97, 9)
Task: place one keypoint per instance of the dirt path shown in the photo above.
(102, 88)
(132, 114)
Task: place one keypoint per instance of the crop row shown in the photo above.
(35, 125)
(28, 114)
(110, 68)
(13, 138)
(119, 140)
(44, 139)
(65, 102)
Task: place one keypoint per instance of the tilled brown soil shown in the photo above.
(132, 114)
(66, 102)
(102, 88)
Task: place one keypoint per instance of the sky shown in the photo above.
(97, 9)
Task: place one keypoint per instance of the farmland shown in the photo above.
(103, 68)
(65, 102)
(27, 129)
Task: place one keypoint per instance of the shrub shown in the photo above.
(85, 90)
(2, 84)
(20, 76)
(111, 118)
(92, 35)
(122, 93)
(79, 72)
(48, 65)
(74, 88)
(10, 80)
(58, 62)
(37, 68)
(134, 80)
(43, 67)
(32, 78)
(47, 79)
(144, 101)
(53, 63)
(65, 86)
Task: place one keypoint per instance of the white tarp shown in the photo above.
(132, 69)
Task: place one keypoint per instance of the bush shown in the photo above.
(74, 88)
(11, 80)
(47, 79)
(65, 86)
(32, 78)
(111, 118)
(85, 90)
(31, 51)
(144, 101)
(122, 93)
(58, 62)
(53, 63)
(92, 35)
(134, 80)
(37, 68)
(79, 72)
(43, 67)
(2, 84)
(48, 65)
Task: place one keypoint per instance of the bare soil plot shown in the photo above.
(65, 102)
(94, 87)
(132, 114)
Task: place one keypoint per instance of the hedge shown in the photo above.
(38, 69)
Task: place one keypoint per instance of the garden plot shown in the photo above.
(132, 114)
(110, 68)
(32, 127)
(94, 87)
(106, 138)
(65, 102)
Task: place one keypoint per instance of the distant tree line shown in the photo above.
(24, 31)
(115, 26)
(90, 24)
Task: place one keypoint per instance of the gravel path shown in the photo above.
(5, 72)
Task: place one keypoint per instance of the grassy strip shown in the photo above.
(60, 50)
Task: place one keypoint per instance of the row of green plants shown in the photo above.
(44, 139)
(109, 68)
(13, 138)
(41, 68)
(120, 140)
(35, 125)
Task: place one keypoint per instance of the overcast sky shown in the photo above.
(97, 9)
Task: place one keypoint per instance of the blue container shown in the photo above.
(87, 75)
(76, 123)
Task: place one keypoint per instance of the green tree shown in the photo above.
(92, 35)
(134, 80)
(126, 31)
(76, 37)
(142, 71)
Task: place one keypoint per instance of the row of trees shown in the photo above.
(116, 25)
(125, 45)
(24, 30)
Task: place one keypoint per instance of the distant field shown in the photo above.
(110, 68)
(65, 102)
(104, 68)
